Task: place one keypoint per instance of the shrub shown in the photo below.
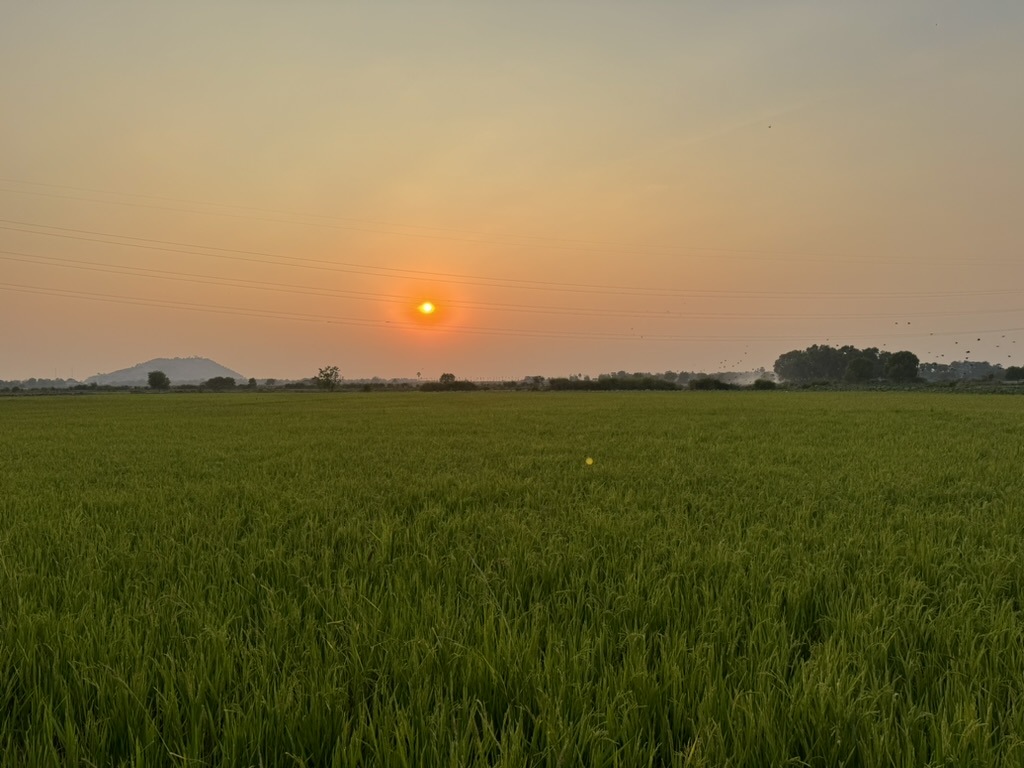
(448, 386)
(611, 383)
(708, 383)
(219, 382)
(158, 380)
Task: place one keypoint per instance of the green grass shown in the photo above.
(744, 579)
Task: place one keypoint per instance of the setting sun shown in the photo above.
(426, 308)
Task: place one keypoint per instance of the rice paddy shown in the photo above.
(484, 579)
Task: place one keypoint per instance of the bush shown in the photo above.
(219, 382)
(707, 383)
(610, 383)
(158, 380)
(765, 384)
(448, 386)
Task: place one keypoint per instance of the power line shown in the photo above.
(28, 258)
(502, 240)
(272, 314)
(487, 331)
(691, 251)
(334, 266)
(318, 264)
(458, 278)
(158, 274)
(377, 222)
(470, 236)
(307, 317)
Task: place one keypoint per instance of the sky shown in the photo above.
(578, 187)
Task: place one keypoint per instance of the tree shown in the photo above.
(159, 380)
(448, 383)
(252, 383)
(902, 366)
(328, 377)
(859, 369)
(1015, 373)
(823, 363)
(705, 383)
(219, 382)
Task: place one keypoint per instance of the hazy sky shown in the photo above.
(579, 187)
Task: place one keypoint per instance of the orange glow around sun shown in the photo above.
(425, 309)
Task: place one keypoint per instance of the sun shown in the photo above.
(426, 313)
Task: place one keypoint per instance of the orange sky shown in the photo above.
(578, 187)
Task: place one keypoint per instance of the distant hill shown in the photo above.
(180, 370)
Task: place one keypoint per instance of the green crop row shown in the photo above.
(737, 579)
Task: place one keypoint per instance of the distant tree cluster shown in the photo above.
(607, 383)
(448, 383)
(34, 383)
(963, 370)
(1015, 373)
(219, 383)
(708, 383)
(824, 363)
(670, 376)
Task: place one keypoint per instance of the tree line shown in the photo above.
(824, 363)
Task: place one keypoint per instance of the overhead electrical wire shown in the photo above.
(455, 278)
(449, 278)
(332, 265)
(275, 287)
(470, 236)
(504, 240)
(475, 233)
(307, 290)
(481, 240)
(329, 319)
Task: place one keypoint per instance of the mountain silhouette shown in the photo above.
(180, 370)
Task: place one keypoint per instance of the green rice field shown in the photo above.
(738, 579)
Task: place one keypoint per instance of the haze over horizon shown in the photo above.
(577, 187)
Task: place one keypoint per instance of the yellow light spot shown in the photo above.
(589, 461)
(426, 308)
